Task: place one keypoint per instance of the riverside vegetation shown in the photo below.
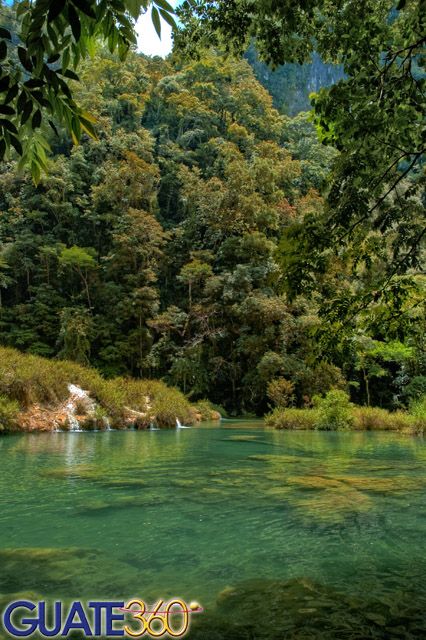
(34, 395)
(335, 412)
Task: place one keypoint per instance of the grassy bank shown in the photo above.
(335, 412)
(33, 388)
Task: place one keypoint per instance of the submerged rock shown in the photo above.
(302, 609)
(64, 573)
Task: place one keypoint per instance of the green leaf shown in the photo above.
(155, 16)
(65, 88)
(88, 116)
(16, 145)
(65, 58)
(12, 93)
(27, 111)
(9, 126)
(22, 100)
(56, 7)
(74, 22)
(33, 83)
(35, 171)
(85, 7)
(53, 58)
(6, 110)
(88, 128)
(3, 49)
(134, 7)
(168, 18)
(70, 74)
(53, 127)
(53, 37)
(4, 33)
(36, 121)
(163, 4)
(4, 83)
(23, 57)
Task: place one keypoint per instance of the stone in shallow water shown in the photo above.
(124, 483)
(83, 472)
(184, 483)
(394, 484)
(276, 458)
(64, 573)
(333, 506)
(301, 609)
(101, 476)
(98, 507)
(318, 483)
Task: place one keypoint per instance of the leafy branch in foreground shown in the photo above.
(41, 46)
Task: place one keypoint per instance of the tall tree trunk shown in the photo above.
(367, 386)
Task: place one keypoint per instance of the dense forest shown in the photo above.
(161, 249)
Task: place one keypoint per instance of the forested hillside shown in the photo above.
(153, 251)
(291, 84)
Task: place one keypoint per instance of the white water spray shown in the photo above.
(179, 425)
(77, 395)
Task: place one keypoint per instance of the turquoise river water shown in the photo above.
(277, 534)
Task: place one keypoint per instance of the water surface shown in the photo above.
(324, 531)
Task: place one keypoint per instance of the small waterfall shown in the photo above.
(76, 394)
(81, 404)
(179, 425)
(73, 422)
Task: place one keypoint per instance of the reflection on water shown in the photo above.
(321, 532)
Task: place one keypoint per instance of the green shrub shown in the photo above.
(334, 411)
(416, 389)
(209, 411)
(302, 419)
(418, 414)
(168, 404)
(9, 410)
(280, 392)
(376, 419)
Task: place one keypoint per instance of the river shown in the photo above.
(320, 534)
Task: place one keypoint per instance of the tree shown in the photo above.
(39, 57)
(194, 274)
(5, 278)
(374, 355)
(374, 116)
(75, 334)
(82, 262)
(206, 194)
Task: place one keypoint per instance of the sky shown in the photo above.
(148, 41)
